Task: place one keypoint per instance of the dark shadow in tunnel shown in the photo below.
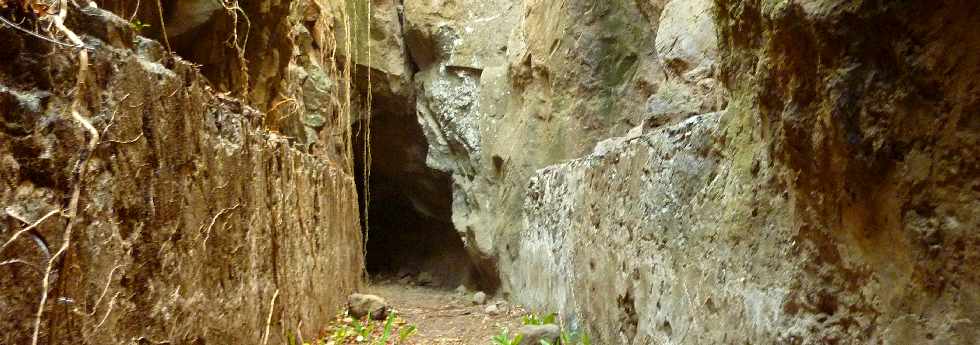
(410, 236)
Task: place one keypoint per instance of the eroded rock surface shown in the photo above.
(812, 210)
(195, 224)
(712, 172)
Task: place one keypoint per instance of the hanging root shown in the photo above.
(163, 26)
(81, 166)
(268, 321)
(234, 9)
(27, 229)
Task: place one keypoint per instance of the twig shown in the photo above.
(81, 167)
(25, 230)
(268, 321)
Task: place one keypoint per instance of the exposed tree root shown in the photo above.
(81, 166)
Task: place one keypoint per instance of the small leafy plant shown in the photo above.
(138, 25)
(566, 338)
(346, 330)
(531, 319)
(504, 338)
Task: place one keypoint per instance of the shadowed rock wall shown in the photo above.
(192, 216)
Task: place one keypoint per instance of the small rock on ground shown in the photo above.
(534, 334)
(492, 309)
(479, 297)
(360, 305)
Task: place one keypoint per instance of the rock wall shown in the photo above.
(711, 172)
(817, 208)
(196, 224)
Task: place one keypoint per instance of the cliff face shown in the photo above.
(818, 207)
(712, 171)
(656, 171)
(195, 223)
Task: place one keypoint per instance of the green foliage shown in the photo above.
(406, 332)
(566, 338)
(138, 25)
(573, 338)
(504, 338)
(346, 330)
(531, 319)
(389, 323)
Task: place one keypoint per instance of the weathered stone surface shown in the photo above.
(817, 208)
(535, 334)
(192, 218)
(361, 305)
(479, 298)
(507, 87)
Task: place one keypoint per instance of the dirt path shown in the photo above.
(445, 317)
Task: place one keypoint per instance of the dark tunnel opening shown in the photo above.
(407, 207)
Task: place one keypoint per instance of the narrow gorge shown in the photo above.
(649, 171)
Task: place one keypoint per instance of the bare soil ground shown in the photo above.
(445, 317)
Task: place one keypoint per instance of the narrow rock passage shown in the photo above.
(446, 317)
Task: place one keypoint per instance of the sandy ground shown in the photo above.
(445, 317)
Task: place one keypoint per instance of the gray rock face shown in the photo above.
(361, 305)
(534, 334)
(649, 169)
(767, 216)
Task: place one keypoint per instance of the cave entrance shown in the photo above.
(407, 206)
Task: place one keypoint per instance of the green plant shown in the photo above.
(504, 338)
(363, 331)
(406, 332)
(346, 330)
(389, 324)
(566, 337)
(531, 319)
(573, 338)
(138, 25)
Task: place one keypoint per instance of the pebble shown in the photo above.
(479, 297)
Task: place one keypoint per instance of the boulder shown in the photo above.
(534, 334)
(361, 305)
